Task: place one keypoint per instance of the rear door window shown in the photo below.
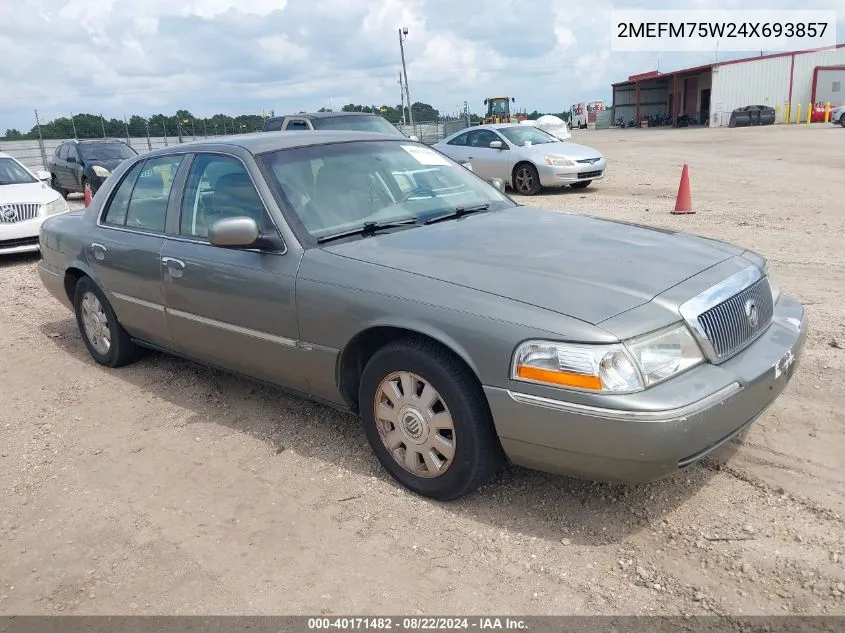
(147, 208)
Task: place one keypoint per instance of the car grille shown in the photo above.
(727, 325)
(589, 174)
(19, 212)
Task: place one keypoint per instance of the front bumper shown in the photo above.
(561, 176)
(637, 444)
(20, 237)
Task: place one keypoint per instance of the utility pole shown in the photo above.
(402, 98)
(73, 123)
(402, 33)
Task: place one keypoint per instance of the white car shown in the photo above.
(25, 201)
(524, 157)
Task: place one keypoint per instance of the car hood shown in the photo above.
(32, 192)
(567, 149)
(584, 267)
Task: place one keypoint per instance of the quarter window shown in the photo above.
(218, 187)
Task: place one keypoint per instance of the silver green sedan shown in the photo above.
(376, 275)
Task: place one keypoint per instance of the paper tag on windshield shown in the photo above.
(425, 156)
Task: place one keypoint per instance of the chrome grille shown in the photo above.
(728, 326)
(18, 212)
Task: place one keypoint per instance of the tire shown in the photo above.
(526, 180)
(120, 350)
(54, 183)
(581, 185)
(456, 399)
(842, 120)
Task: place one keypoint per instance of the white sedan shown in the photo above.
(524, 157)
(25, 201)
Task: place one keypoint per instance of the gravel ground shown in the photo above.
(168, 488)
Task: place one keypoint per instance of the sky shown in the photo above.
(123, 57)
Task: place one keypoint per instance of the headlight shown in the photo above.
(773, 285)
(663, 354)
(558, 161)
(615, 368)
(586, 367)
(59, 205)
(102, 172)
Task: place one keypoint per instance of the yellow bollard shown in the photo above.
(798, 113)
(786, 113)
(809, 113)
(827, 112)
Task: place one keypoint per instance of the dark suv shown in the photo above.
(80, 164)
(361, 121)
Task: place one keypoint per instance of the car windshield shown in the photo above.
(106, 151)
(11, 173)
(339, 187)
(372, 123)
(519, 135)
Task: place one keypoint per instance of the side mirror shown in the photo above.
(43, 176)
(241, 231)
(496, 145)
(414, 137)
(498, 183)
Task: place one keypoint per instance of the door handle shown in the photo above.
(175, 266)
(99, 251)
(172, 261)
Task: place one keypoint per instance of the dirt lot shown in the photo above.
(168, 488)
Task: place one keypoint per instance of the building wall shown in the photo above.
(830, 87)
(802, 88)
(766, 82)
(758, 82)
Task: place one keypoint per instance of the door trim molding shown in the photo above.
(272, 338)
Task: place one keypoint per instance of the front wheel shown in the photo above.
(842, 120)
(106, 340)
(526, 180)
(427, 420)
(581, 185)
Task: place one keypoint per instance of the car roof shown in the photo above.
(322, 115)
(95, 140)
(260, 142)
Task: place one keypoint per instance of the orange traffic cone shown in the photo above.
(683, 203)
(87, 196)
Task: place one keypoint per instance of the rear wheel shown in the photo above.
(526, 180)
(581, 185)
(427, 420)
(842, 120)
(106, 340)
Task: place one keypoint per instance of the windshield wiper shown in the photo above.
(368, 228)
(458, 212)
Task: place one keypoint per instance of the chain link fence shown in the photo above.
(35, 147)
